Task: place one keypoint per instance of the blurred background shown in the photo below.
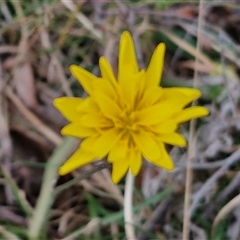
(40, 39)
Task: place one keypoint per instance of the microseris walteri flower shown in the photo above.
(129, 117)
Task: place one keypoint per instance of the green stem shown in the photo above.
(45, 200)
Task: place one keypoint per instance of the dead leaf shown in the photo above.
(24, 83)
(200, 67)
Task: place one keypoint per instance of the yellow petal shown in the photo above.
(150, 96)
(104, 87)
(108, 107)
(140, 87)
(155, 68)
(146, 144)
(100, 145)
(168, 126)
(152, 115)
(192, 93)
(165, 160)
(190, 113)
(169, 104)
(90, 121)
(175, 139)
(118, 151)
(130, 88)
(88, 106)
(156, 113)
(119, 169)
(106, 71)
(68, 107)
(95, 121)
(91, 116)
(85, 78)
(78, 159)
(77, 130)
(181, 96)
(127, 63)
(135, 161)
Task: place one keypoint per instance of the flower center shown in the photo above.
(127, 121)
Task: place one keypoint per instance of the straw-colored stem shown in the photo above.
(128, 209)
(188, 183)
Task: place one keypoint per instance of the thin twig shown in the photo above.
(204, 165)
(232, 186)
(188, 183)
(156, 218)
(80, 178)
(212, 180)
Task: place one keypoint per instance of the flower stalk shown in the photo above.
(128, 209)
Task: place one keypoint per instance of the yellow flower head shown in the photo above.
(127, 117)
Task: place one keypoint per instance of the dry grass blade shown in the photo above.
(8, 49)
(156, 217)
(190, 49)
(40, 126)
(225, 211)
(8, 235)
(212, 180)
(83, 19)
(46, 42)
(19, 194)
(104, 180)
(90, 227)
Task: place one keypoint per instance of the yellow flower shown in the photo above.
(127, 118)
